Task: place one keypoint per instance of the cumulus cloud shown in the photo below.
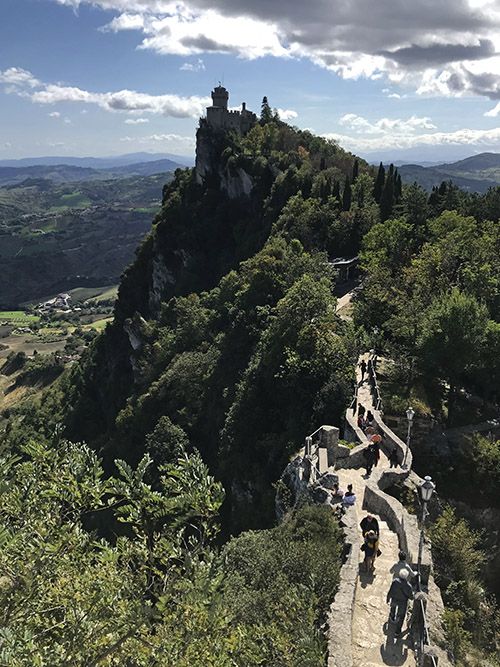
(386, 125)
(480, 139)
(173, 142)
(18, 77)
(440, 48)
(287, 114)
(197, 66)
(123, 100)
(136, 121)
(54, 114)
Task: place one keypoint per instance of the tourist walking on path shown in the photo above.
(401, 565)
(370, 418)
(399, 594)
(370, 457)
(393, 458)
(362, 366)
(370, 549)
(369, 523)
(376, 439)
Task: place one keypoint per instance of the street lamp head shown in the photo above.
(427, 488)
(410, 413)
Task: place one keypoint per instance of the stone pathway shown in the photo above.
(372, 644)
(343, 308)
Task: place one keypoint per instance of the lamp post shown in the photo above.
(410, 413)
(426, 490)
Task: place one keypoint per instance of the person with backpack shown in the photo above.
(399, 594)
(370, 549)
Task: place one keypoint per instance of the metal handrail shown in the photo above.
(424, 639)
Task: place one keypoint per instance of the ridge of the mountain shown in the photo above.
(476, 173)
(97, 162)
(67, 173)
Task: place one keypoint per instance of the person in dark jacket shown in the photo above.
(398, 596)
(393, 458)
(362, 366)
(370, 457)
(369, 523)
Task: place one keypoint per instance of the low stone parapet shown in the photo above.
(342, 608)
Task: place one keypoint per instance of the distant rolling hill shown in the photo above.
(57, 236)
(98, 162)
(474, 174)
(66, 173)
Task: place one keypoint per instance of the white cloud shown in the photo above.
(480, 139)
(122, 100)
(386, 125)
(197, 66)
(287, 114)
(54, 114)
(67, 121)
(492, 113)
(136, 121)
(17, 76)
(173, 142)
(445, 48)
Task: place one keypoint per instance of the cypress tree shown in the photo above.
(387, 197)
(347, 195)
(355, 170)
(379, 183)
(399, 187)
(336, 190)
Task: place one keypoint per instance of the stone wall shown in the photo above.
(342, 608)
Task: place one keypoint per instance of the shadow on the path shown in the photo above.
(395, 650)
(365, 578)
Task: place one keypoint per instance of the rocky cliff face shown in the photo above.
(233, 182)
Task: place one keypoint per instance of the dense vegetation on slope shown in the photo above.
(432, 291)
(112, 571)
(255, 358)
(226, 342)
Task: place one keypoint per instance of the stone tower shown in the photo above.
(220, 97)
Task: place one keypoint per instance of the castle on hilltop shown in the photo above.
(220, 117)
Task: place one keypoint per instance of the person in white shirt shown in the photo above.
(401, 565)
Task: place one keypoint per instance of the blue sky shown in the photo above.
(390, 79)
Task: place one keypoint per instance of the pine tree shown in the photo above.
(355, 170)
(347, 195)
(379, 183)
(266, 114)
